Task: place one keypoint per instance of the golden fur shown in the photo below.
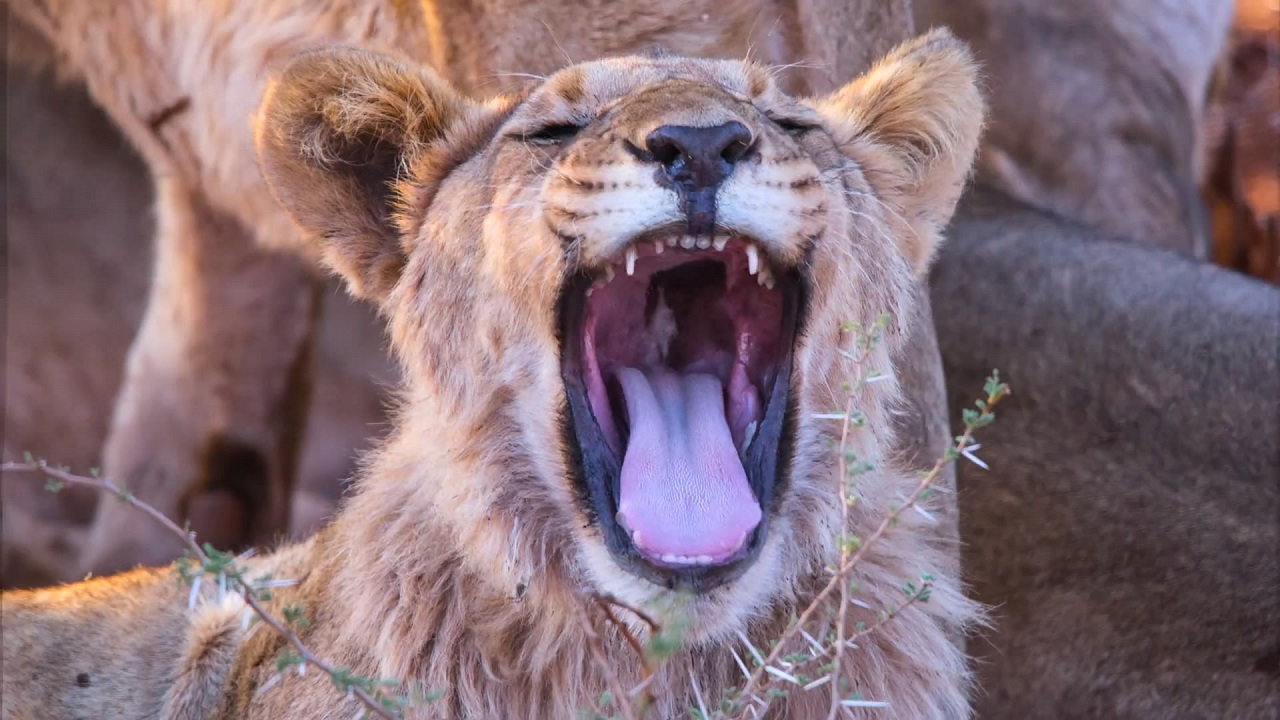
(455, 562)
(218, 380)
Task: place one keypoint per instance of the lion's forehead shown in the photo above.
(594, 85)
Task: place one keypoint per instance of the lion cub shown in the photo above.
(618, 301)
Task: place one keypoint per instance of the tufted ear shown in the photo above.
(912, 124)
(340, 134)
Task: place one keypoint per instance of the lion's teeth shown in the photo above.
(658, 247)
(753, 259)
(765, 277)
(688, 241)
(720, 242)
(631, 260)
(686, 559)
(672, 240)
(704, 243)
(608, 274)
(748, 435)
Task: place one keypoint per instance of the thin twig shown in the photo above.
(616, 691)
(927, 479)
(844, 558)
(40, 466)
(371, 703)
(605, 598)
(189, 539)
(627, 635)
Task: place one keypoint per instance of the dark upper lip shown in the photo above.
(596, 470)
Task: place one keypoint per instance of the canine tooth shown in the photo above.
(631, 260)
(658, 247)
(671, 241)
(720, 242)
(608, 274)
(688, 241)
(621, 519)
(704, 243)
(636, 539)
(753, 259)
(591, 290)
(748, 435)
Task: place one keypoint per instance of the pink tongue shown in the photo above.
(684, 492)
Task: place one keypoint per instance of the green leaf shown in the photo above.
(287, 659)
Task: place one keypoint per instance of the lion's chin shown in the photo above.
(677, 366)
(709, 617)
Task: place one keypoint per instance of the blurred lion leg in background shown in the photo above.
(80, 263)
(206, 427)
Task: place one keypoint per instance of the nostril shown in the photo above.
(664, 150)
(737, 150)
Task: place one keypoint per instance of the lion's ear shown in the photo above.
(912, 123)
(338, 135)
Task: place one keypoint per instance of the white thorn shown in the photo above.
(720, 242)
(704, 243)
(688, 241)
(753, 259)
(658, 247)
(631, 260)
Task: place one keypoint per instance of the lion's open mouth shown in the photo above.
(677, 362)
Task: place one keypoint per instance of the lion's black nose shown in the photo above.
(699, 158)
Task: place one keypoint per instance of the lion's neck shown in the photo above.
(421, 607)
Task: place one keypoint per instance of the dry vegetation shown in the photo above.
(807, 657)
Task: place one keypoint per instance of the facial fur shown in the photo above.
(478, 228)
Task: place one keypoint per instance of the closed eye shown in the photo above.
(551, 134)
(791, 126)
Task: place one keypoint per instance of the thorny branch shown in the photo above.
(973, 420)
(342, 679)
